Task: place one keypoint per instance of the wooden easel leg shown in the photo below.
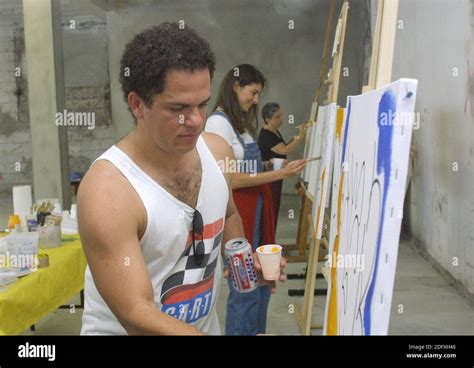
(309, 287)
(302, 235)
(308, 291)
(302, 238)
(295, 246)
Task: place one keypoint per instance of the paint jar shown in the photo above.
(31, 223)
(14, 223)
(49, 236)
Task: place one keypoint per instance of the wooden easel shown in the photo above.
(304, 316)
(306, 198)
(384, 45)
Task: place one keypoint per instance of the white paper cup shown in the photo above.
(269, 257)
(277, 163)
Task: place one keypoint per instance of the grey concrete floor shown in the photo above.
(429, 304)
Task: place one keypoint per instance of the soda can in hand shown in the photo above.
(239, 259)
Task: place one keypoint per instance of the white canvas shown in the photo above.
(337, 149)
(315, 151)
(368, 202)
(321, 176)
(309, 139)
(337, 169)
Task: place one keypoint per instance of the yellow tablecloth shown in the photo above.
(34, 296)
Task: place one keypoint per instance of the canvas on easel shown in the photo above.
(321, 177)
(309, 141)
(368, 210)
(314, 132)
(306, 222)
(336, 173)
(314, 151)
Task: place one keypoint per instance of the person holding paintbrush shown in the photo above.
(273, 147)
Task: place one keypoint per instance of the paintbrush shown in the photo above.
(307, 124)
(313, 159)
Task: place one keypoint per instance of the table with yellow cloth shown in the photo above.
(32, 297)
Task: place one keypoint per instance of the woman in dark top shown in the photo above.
(272, 145)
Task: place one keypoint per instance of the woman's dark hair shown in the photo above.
(244, 74)
(152, 53)
(269, 110)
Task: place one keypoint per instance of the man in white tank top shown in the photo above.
(155, 208)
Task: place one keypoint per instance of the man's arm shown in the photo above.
(111, 216)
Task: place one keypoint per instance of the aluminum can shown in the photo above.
(239, 260)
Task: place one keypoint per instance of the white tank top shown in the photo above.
(182, 289)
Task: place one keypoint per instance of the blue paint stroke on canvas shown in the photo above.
(387, 108)
(349, 104)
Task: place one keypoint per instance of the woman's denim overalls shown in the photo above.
(247, 312)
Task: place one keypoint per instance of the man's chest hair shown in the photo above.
(184, 184)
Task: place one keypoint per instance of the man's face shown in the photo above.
(176, 117)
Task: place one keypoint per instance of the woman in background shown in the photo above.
(272, 145)
(235, 119)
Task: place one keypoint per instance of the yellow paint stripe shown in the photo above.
(339, 123)
(332, 312)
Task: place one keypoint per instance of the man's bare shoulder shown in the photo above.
(102, 180)
(106, 195)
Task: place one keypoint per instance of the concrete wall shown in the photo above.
(15, 146)
(87, 85)
(87, 89)
(247, 31)
(436, 47)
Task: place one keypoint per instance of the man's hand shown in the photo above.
(261, 280)
(258, 268)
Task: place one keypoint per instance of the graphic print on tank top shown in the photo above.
(187, 293)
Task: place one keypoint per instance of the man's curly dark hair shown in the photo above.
(155, 51)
